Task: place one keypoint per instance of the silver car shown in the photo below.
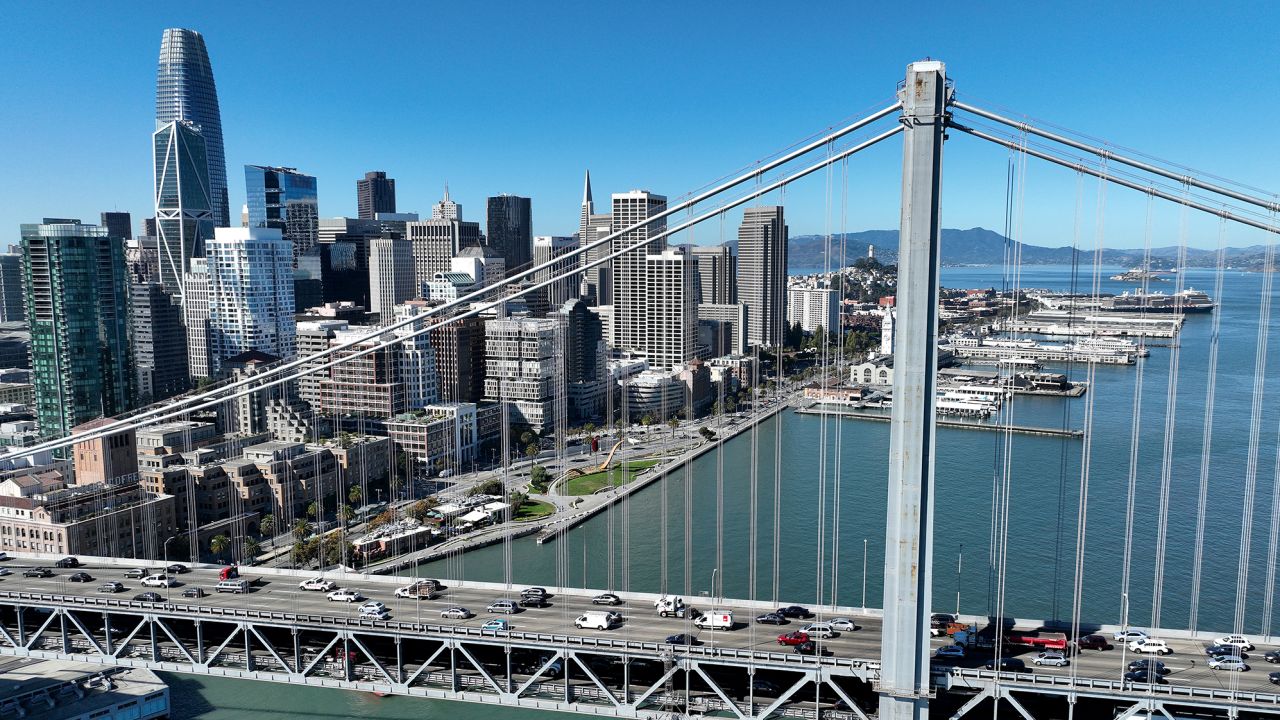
(842, 624)
(455, 613)
(1052, 658)
(502, 606)
(819, 630)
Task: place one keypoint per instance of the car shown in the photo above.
(681, 639)
(67, 562)
(372, 605)
(805, 648)
(496, 625)
(1271, 656)
(761, 686)
(1274, 678)
(950, 651)
(158, 581)
(1128, 636)
(1148, 664)
(318, 584)
(793, 638)
(37, 572)
(148, 597)
(533, 592)
(456, 613)
(1094, 642)
(177, 569)
(796, 612)
(502, 605)
(941, 619)
(4, 571)
(771, 618)
(1051, 658)
(110, 587)
(1150, 645)
(193, 592)
(374, 613)
(1220, 649)
(819, 630)
(4, 556)
(344, 595)
(1228, 662)
(1240, 641)
(842, 624)
(1008, 664)
(1143, 676)
(532, 601)
(80, 577)
(606, 599)
(137, 573)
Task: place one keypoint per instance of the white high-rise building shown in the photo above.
(417, 359)
(520, 369)
(446, 209)
(391, 275)
(195, 315)
(250, 294)
(762, 273)
(631, 307)
(547, 248)
(811, 306)
(670, 319)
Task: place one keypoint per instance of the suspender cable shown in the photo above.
(1273, 545)
(824, 419)
(1135, 433)
(840, 340)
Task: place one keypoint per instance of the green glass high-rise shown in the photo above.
(76, 292)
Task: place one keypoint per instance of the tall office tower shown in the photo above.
(446, 209)
(345, 244)
(417, 358)
(391, 276)
(185, 92)
(631, 308)
(510, 221)
(195, 315)
(11, 309)
(284, 199)
(547, 248)
(76, 287)
(376, 193)
(670, 321)
(118, 224)
(596, 287)
(459, 348)
(585, 359)
(250, 294)
(435, 242)
(184, 207)
(716, 281)
(520, 369)
(762, 273)
(159, 341)
(149, 227)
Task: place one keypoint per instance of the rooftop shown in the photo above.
(77, 689)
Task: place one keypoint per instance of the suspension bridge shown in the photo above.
(880, 662)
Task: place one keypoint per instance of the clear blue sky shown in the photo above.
(522, 97)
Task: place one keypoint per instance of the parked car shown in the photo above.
(502, 605)
(193, 592)
(1150, 645)
(37, 572)
(1094, 642)
(455, 613)
(1128, 636)
(110, 587)
(950, 651)
(67, 562)
(1008, 664)
(1052, 658)
(795, 612)
(1228, 662)
(1144, 676)
(820, 630)
(496, 625)
(1155, 666)
(842, 624)
(1240, 641)
(148, 597)
(177, 569)
(606, 599)
(793, 638)
(318, 584)
(344, 595)
(771, 618)
(80, 577)
(681, 639)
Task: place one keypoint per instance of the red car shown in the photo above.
(793, 638)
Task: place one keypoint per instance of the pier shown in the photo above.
(960, 424)
(1067, 323)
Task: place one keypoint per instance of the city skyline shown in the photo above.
(545, 157)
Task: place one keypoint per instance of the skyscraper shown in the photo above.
(183, 203)
(596, 285)
(11, 309)
(762, 273)
(250, 294)
(76, 288)
(670, 321)
(376, 193)
(185, 91)
(435, 242)
(284, 199)
(118, 225)
(547, 248)
(716, 281)
(630, 302)
(446, 209)
(391, 276)
(159, 342)
(195, 314)
(510, 222)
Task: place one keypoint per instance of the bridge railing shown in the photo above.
(1068, 683)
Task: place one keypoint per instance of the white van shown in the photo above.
(232, 586)
(595, 620)
(160, 580)
(715, 620)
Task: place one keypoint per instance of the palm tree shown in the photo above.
(313, 510)
(251, 548)
(219, 545)
(301, 529)
(267, 526)
(354, 495)
(346, 513)
(673, 423)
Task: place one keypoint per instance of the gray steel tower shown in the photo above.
(185, 92)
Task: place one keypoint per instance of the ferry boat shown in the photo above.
(1112, 344)
(1187, 301)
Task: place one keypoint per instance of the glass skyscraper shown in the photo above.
(185, 91)
(75, 285)
(184, 206)
(284, 199)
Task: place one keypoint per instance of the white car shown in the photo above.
(318, 583)
(1228, 662)
(1052, 659)
(163, 581)
(374, 613)
(1128, 636)
(1240, 641)
(950, 651)
(373, 606)
(348, 596)
(842, 624)
(819, 630)
(1150, 646)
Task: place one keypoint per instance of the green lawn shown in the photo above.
(534, 509)
(615, 476)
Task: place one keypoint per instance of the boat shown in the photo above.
(1111, 344)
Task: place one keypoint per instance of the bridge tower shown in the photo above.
(908, 564)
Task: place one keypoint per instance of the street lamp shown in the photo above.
(168, 593)
(959, 564)
(864, 576)
(1124, 626)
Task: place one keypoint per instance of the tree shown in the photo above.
(647, 420)
(219, 544)
(345, 440)
(517, 498)
(251, 548)
(346, 514)
(673, 423)
(354, 495)
(531, 450)
(385, 518)
(301, 529)
(707, 433)
(589, 428)
(526, 437)
(538, 478)
(819, 337)
(267, 525)
(313, 510)
(302, 552)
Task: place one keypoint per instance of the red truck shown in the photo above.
(230, 572)
(1038, 639)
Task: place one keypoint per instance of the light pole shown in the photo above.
(713, 585)
(864, 576)
(1124, 627)
(959, 564)
(168, 594)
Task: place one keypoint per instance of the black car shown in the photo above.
(1094, 642)
(807, 647)
(67, 562)
(681, 639)
(764, 687)
(1224, 650)
(1008, 664)
(81, 577)
(37, 572)
(148, 597)
(1271, 656)
(771, 618)
(534, 601)
(796, 612)
(534, 592)
(194, 592)
(177, 569)
(606, 599)
(1154, 665)
(1274, 678)
(1142, 676)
